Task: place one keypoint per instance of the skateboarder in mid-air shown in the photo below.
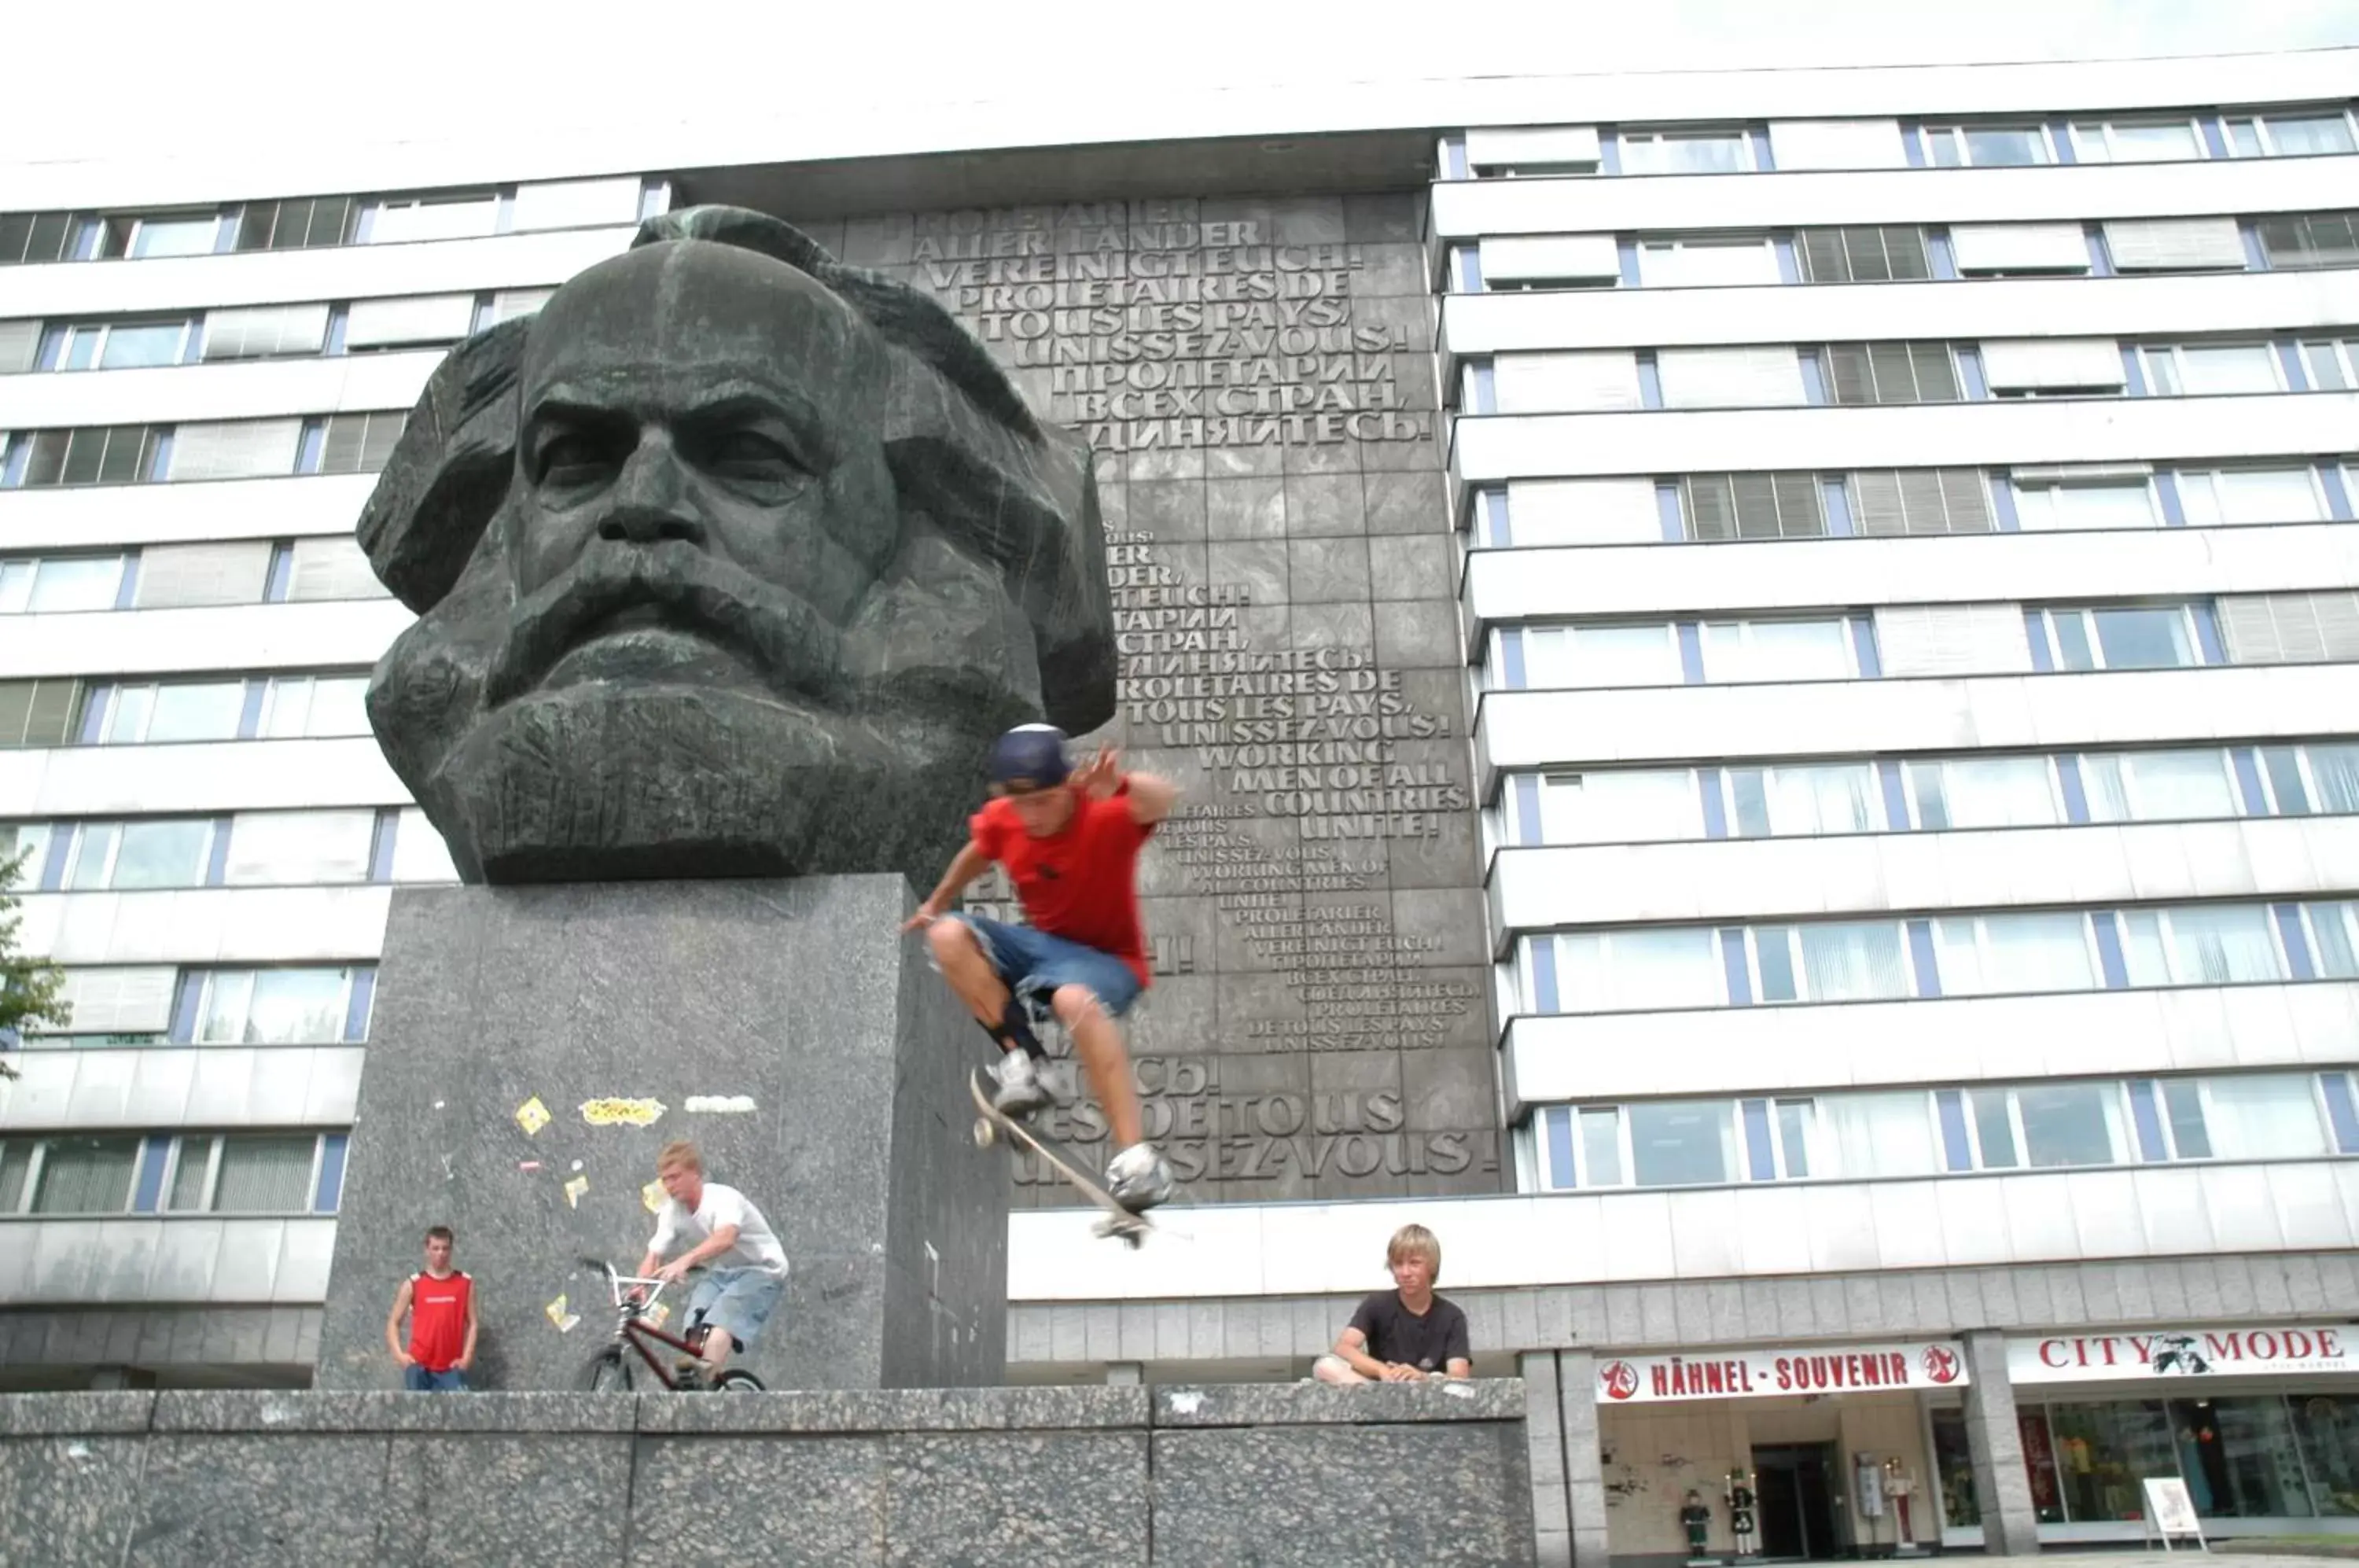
(1070, 839)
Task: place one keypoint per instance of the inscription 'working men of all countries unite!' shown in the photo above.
(1160, 329)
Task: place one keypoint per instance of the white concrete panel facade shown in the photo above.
(84, 517)
(192, 1258)
(251, 638)
(209, 925)
(208, 778)
(241, 389)
(1927, 1041)
(225, 1088)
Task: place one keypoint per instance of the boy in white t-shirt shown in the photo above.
(745, 1267)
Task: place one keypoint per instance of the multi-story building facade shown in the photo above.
(1827, 877)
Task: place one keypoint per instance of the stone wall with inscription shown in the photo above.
(1256, 378)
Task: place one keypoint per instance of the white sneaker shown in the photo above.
(1138, 1178)
(1021, 1091)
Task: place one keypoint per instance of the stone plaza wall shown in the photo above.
(1042, 1477)
(1256, 378)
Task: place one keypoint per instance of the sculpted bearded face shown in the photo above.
(730, 563)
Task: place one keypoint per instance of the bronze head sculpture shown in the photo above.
(731, 561)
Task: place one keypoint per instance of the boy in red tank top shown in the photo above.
(1070, 839)
(440, 1303)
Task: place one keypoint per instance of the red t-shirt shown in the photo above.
(438, 1319)
(1081, 884)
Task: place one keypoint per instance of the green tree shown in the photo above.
(29, 987)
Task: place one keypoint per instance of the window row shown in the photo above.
(1648, 969)
(1841, 374)
(70, 711)
(175, 576)
(249, 849)
(1870, 1134)
(160, 1005)
(1540, 152)
(1887, 254)
(173, 1173)
(259, 332)
(1939, 640)
(308, 223)
(1887, 503)
(222, 448)
(1639, 805)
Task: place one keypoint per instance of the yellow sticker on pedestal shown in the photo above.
(573, 1190)
(532, 1115)
(557, 1314)
(611, 1112)
(651, 1197)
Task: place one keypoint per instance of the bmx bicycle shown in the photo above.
(610, 1371)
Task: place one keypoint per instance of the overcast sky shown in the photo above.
(431, 69)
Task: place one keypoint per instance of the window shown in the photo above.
(1752, 506)
(1509, 151)
(315, 706)
(40, 713)
(445, 215)
(2313, 239)
(1800, 799)
(2333, 366)
(1852, 961)
(2205, 945)
(1707, 261)
(2230, 496)
(2070, 1124)
(265, 332)
(1777, 650)
(2158, 786)
(114, 345)
(1547, 383)
(244, 1173)
(1682, 1143)
(1537, 261)
(1863, 254)
(2290, 629)
(104, 454)
(27, 846)
(2206, 369)
(1892, 502)
(360, 443)
(60, 584)
(302, 222)
(1984, 792)
(1601, 656)
(2334, 937)
(2134, 141)
(2330, 773)
(282, 848)
(1730, 377)
(166, 234)
(1986, 147)
(2052, 367)
(2159, 639)
(2248, 1116)
(1686, 152)
(2297, 134)
(125, 856)
(85, 1175)
(1615, 806)
(2119, 503)
(2002, 954)
(175, 711)
(236, 449)
(275, 1006)
(30, 239)
(1891, 372)
(1626, 971)
(1880, 1134)
(409, 321)
(2009, 250)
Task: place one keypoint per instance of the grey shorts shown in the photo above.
(737, 1300)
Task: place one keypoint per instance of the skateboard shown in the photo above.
(992, 1124)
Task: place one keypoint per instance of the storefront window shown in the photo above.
(1953, 1462)
(2105, 1452)
(2040, 1460)
(2238, 1457)
(2327, 1426)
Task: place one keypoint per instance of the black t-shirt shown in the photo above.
(1397, 1334)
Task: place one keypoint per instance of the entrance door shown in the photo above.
(1795, 1484)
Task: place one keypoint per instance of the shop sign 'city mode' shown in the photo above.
(2277, 1349)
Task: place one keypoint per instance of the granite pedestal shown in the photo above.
(531, 1049)
(1298, 1476)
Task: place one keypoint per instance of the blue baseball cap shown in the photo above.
(1029, 757)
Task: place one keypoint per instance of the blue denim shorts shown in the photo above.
(739, 1301)
(1034, 965)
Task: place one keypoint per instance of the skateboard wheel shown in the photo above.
(984, 1132)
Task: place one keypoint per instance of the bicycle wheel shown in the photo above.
(607, 1373)
(735, 1382)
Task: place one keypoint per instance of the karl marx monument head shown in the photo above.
(731, 561)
